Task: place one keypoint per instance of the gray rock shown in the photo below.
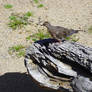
(57, 65)
(82, 84)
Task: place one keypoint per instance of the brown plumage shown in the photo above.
(58, 32)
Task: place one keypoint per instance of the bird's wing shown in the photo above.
(61, 28)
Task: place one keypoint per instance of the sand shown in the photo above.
(75, 14)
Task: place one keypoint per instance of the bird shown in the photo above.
(59, 33)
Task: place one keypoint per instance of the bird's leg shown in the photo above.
(59, 40)
(54, 36)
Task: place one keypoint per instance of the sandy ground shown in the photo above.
(75, 14)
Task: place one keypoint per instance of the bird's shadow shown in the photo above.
(19, 82)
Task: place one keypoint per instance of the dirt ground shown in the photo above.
(75, 14)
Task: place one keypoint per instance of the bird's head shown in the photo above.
(46, 23)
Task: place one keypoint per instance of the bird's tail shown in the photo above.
(72, 31)
(76, 31)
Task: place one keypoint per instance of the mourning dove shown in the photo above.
(58, 32)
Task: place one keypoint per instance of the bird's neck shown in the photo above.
(50, 29)
(48, 25)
